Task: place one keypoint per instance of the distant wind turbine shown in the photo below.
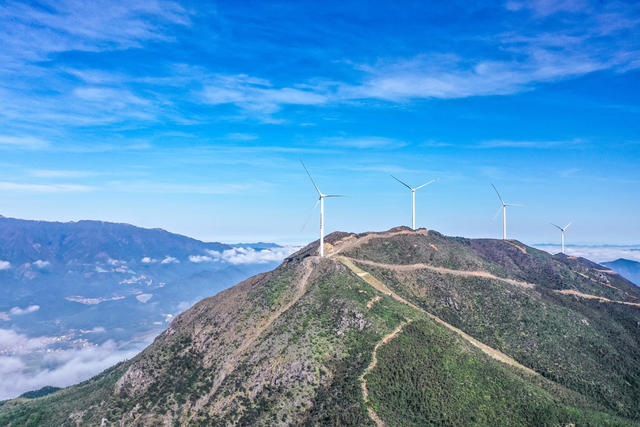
(413, 198)
(321, 201)
(504, 213)
(562, 230)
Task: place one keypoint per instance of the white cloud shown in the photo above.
(143, 298)
(169, 260)
(92, 301)
(4, 265)
(241, 255)
(41, 264)
(17, 311)
(148, 260)
(200, 258)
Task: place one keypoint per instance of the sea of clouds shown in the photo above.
(31, 363)
(239, 255)
(596, 253)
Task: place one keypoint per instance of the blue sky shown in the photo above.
(194, 116)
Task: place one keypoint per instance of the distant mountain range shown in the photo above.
(70, 286)
(627, 268)
(399, 328)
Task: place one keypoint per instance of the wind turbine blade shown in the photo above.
(567, 226)
(335, 195)
(406, 185)
(499, 196)
(513, 204)
(497, 213)
(314, 184)
(309, 216)
(557, 226)
(430, 182)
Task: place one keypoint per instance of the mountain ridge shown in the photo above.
(293, 345)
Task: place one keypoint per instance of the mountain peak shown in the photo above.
(397, 327)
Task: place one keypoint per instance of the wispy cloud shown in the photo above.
(57, 173)
(370, 142)
(35, 31)
(257, 96)
(548, 7)
(237, 136)
(22, 142)
(450, 76)
(4, 265)
(198, 188)
(530, 144)
(44, 188)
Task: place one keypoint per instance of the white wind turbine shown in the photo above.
(321, 201)
(413, 198)
(562, 230)
(504, 213)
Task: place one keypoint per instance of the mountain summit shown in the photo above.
(399, 328)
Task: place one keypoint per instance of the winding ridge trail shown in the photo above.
(491, 352)
(374, 362)
(443, 270)
(588, 296)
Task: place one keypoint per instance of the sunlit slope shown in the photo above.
(401, 328)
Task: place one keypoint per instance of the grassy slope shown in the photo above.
(427, 375)
(587, 346)
(305, 367)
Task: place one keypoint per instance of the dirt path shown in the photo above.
(587, 296)
(374, 362)
(442, 270)
(491, 352)
(233, 360)
(373, 301)
(352, 241)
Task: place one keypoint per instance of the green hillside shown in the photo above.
(397, 328)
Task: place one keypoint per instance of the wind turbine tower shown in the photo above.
(562, 230)
(504, 213)
(413, 198)
(321, 197)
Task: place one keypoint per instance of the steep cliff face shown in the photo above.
(399, 328)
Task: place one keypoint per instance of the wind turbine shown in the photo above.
(504, 213)
(321, 197)
(562, 230)
(413, 198)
